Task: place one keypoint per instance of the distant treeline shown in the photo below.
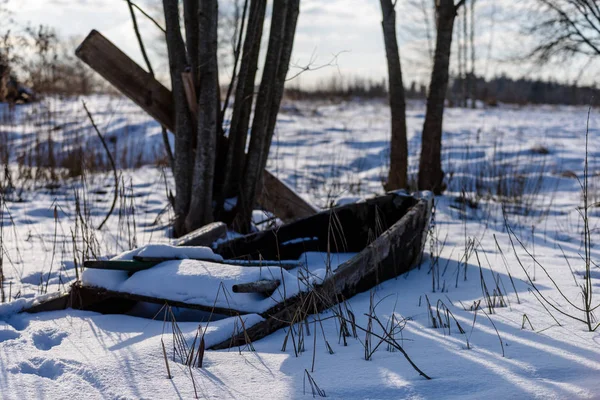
(337, 86)
(522, 91)
(501, 89)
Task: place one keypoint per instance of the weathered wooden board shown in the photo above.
(103, 300)
(132, 80)
(119, 265)
(394, 252)
(128, 77)
(281, 200)
(59, 302)
(265, 286)
(348, 228)
(143, 263)
(204, 236)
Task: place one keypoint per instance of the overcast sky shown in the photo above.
(349, 28)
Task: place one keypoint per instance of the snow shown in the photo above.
(203, 283)
(166, 251)
(210, 284)
(82, 354)
(326, 151)
(18, 305)
(113, 279)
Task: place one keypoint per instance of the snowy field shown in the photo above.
(472, 316)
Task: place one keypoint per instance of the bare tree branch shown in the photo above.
(311, 64)
(145, 14)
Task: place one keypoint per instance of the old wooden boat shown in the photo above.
(386, 235)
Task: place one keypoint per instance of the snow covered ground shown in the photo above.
(528, 159)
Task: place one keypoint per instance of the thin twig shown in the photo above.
(112, 163)
(159, 26)
(139, 37)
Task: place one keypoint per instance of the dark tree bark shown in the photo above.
(203, 154)
(190, 16)
(244, 92)
(399, 147)
(465, 47)
(472, 80)
(184, 128)
(258, 140)
(430, 165)
(291, 19)
(201, 209)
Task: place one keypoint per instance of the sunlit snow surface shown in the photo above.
(328, 152)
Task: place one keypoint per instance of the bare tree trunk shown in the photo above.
(459, 83)
(465, 82)
(200, 142)
(190, 12)
(430, 165)
(399, 147)
(201, 210)
(472, 80)
(244, 91)
(258, 140)
(184, 129)
(289, 33)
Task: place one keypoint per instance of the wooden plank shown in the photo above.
(283, 201)
(347, 228)
(287, 265)
(86, 298)
(204, 236)
(128, 77)
(59, 302)
(120, 265)
(137, 84)
(394, 252)
(142, 263)
(265, 286)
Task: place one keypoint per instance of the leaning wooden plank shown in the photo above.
(394, 252)
(85, 297)
(266, 286)
(128, 77)
(133, 81)
(282, 201)
(204, 236)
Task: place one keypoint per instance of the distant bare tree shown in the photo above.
(399, 147)
(564, 28)
(430, 165)
(471, 76)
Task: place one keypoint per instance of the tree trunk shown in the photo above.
(201, 210)
(465, 83)
(291, 20)
(244, 92)
(399, 147)
(472, 80)
(184, 129)
(430, 165)
(258, 140)
(190, 12)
